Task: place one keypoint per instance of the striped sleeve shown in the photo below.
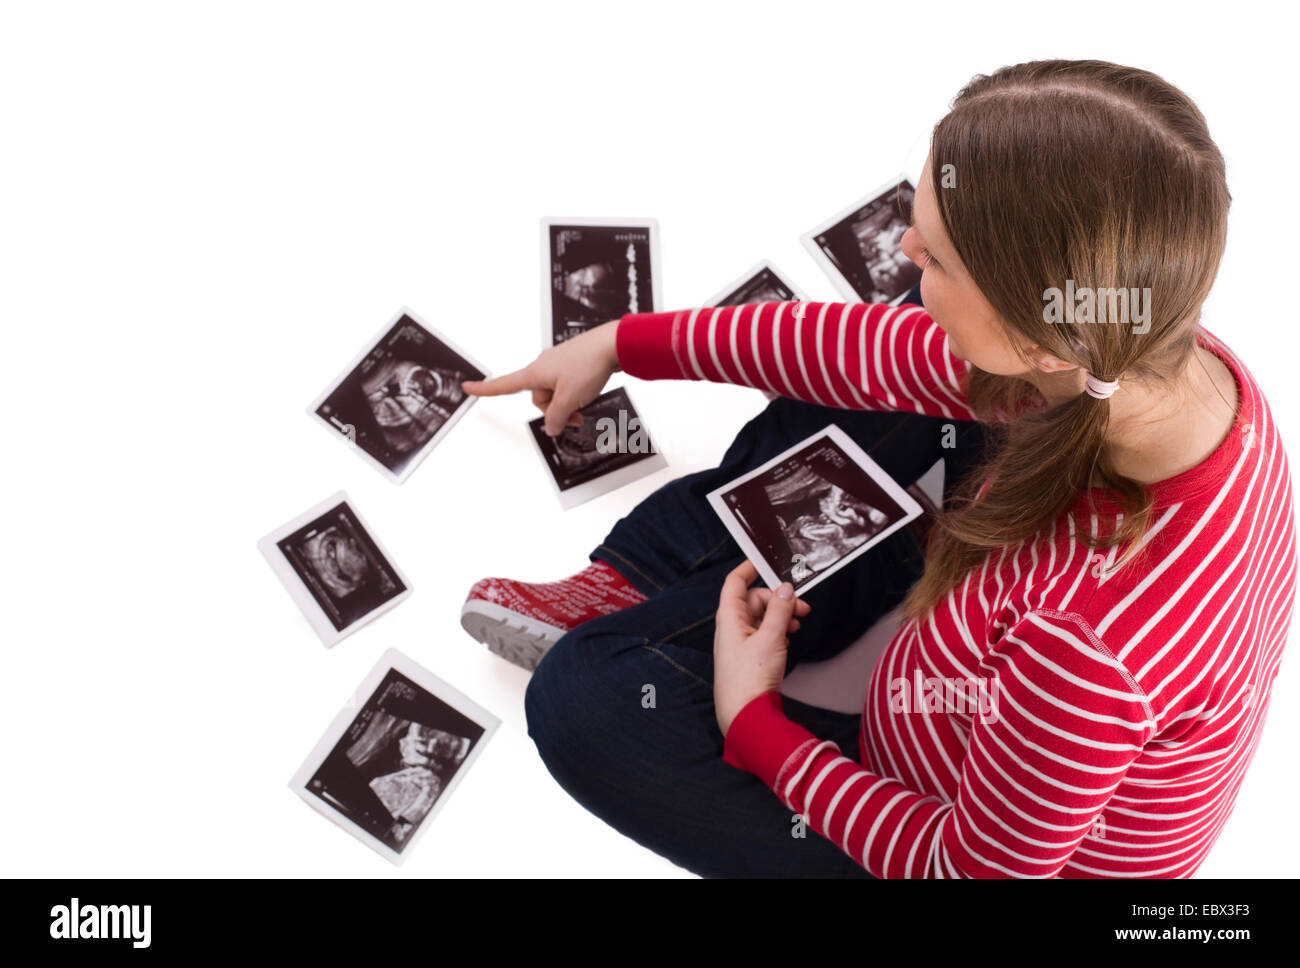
(1061, 722)
(854, 356)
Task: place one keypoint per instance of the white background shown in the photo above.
(205, 209)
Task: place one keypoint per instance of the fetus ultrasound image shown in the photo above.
(597, 273)
(607, 440)
(811, 511)
(341, 566)
(397, 756)
(400, 395)
(821, 523)
(866, 246)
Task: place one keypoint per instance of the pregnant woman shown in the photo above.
(1114, 560)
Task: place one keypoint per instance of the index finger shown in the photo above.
(509, 383)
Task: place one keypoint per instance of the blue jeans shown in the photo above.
(621, 708)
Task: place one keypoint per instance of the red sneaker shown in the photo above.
(520, 621)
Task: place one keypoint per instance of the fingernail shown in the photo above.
(785, 591)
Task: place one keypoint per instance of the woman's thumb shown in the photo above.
(779, 611)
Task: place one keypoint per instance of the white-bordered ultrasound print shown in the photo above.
(859, 248)
(334, 568)
(595, 270)
(812, 509)
(400, 396)
(393, 756)
(762, 283)
(610, 449)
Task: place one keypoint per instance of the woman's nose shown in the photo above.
(910, 247)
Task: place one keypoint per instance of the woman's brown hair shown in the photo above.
(1049, 172)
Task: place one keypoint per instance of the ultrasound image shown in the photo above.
(341, 566)
(866, 248)
(575, 456)
(597, 273)
(338, 562)
(811, 510)
(398, 755)
(821, 523)
(400, 395)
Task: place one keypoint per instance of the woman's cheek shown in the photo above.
(954, 348)
(935, 309)
(954, 345)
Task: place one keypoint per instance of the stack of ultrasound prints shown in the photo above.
(389, 759)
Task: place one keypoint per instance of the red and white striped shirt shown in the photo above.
(1126, 706)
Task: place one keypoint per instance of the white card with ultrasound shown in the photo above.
(334, 568)
(400, 396)
(860, 249)
(812, 509)
(595, 270)
(393, 756)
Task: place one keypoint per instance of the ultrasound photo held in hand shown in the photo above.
(401, 396)
(811, 510)
(820, 522)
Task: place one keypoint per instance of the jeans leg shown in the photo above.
(621, 710)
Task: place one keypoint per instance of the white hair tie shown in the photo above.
(1101, 389)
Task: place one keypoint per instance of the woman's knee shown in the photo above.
(569, 689)
(549, 693)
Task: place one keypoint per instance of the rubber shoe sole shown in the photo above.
(516, 638)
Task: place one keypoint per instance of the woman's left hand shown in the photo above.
(750, 641)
